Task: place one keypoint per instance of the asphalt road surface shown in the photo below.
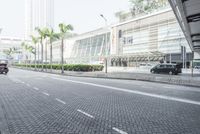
(40, 103)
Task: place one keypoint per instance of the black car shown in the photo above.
(166, 68)
(197, 67)
(3, 68)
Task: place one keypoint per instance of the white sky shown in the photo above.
(84, 15)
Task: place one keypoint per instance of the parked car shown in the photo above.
(3, 68)
(197, 67)
(166, 68)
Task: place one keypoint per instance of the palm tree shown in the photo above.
(29, 50)
(8, 52)
(24, 46)
(52, 37)
(35, 40)
(42, 35)
(63, 31)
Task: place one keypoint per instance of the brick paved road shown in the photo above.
(38, 103)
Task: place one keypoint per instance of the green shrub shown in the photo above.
(67, 67)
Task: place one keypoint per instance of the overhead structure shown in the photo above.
(188, 15)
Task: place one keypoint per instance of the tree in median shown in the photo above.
(64, 30)
(29, 50)
(35, 40)
(42, 37)
(52, 37)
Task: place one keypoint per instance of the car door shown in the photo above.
(157, 69)
(169, 68)
(162, 69)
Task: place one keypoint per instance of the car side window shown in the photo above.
(158, 66)
(162, 66)
(169, 66)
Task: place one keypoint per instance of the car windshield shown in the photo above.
(3, 65)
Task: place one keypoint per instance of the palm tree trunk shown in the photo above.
(46, 55)
(62, 57)
(30, 61)
(35, 56)
(38, 54)
(51, 57)
(42, 55)
(26, 61)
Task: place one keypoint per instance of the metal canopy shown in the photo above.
(188, 15)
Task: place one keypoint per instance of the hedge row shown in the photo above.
(71, 67)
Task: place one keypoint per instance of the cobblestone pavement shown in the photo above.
(38, 103)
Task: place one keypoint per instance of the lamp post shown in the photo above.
(106, 47)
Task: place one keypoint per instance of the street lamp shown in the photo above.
(106, 54)
(104, 19)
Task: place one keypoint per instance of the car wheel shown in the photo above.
(152, 71)
(170, 72)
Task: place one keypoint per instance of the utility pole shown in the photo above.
(106, 45)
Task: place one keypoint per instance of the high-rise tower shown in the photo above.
(38, 13)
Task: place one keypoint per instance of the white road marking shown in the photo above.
(85, 113)
(45, 93)
(119, 131)
(60, 101)
(181, 88)
(168, 87)
(134, 92)
(28, 85)
(147, 87)
(22, 82)
(36, 88)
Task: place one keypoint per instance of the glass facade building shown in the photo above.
(150, 38)
(88, 48)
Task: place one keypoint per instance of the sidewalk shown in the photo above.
(182, 79)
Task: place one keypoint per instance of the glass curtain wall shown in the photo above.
(91, 50)
(149, 39)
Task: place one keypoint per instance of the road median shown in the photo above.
(170, 79)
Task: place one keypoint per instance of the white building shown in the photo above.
(38, 13)
(7, 43)
(150, 38)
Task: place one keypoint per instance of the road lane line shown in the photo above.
(181, 88)
(60, 101)
(119, 131)
(28, 85)
(36, 88)
(22, 82)
(45, 93)
(134, 92)
(147, 87)
(85, 113)
(170, 87)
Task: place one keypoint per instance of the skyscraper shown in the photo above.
(38, 13)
